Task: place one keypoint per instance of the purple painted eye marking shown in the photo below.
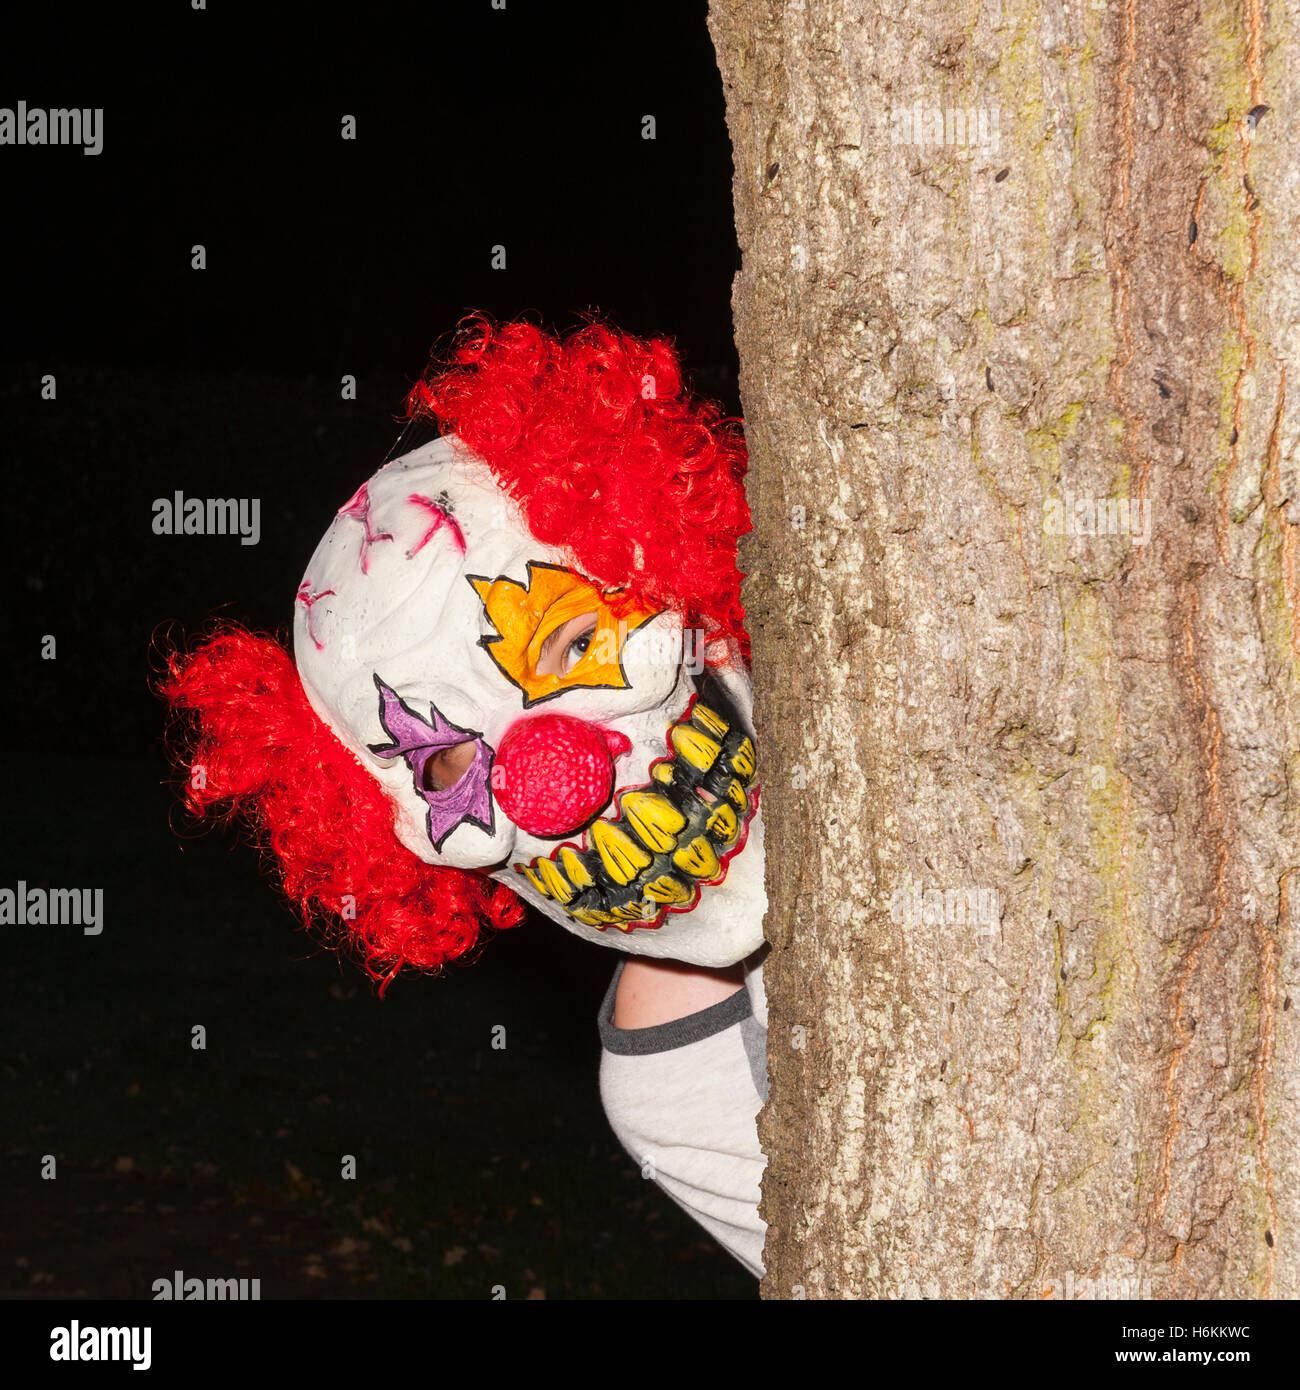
(417, 740)
(358, 508)
(307, 599)
(442, 516)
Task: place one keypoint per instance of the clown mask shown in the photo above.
(528, 724)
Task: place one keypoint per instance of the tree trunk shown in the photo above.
(1025, 601)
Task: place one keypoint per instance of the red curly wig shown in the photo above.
(261, 753)
(596, 439)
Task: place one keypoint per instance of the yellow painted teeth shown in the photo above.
(723, 823)
(575, 868)
(532, 878)
(591, 917)
(622, 857)
(699, 859)
(742, 760)
(560, 888)
(696, 748)
(667, 889)
(709, 721)
(654, 820)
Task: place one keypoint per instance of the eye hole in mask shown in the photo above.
(447, 766)
(567, 645)
(556, 632)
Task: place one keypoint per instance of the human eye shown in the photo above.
(576, 650)
(566, 646)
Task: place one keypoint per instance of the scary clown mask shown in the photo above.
(528, 723)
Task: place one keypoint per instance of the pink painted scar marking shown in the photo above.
(441, 517)
(307, 599)
(358, 508)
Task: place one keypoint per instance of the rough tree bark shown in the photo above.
(1067, 1050)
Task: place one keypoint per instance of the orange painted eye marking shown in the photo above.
(525, 616)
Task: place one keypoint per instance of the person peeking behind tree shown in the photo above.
(520, 674)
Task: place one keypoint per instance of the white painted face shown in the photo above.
(591, 763)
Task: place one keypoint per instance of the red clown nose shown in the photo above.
(556, 773)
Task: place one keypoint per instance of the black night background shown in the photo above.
(476, 127)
